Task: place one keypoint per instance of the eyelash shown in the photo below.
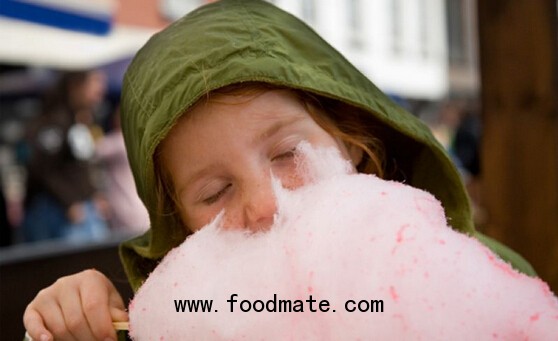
(213, 199)
(288, 154)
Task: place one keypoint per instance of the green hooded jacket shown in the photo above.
(234, 41)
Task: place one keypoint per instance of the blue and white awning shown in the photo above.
(65, 34)
(76, 15)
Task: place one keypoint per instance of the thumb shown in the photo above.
(117, 309)
(118, 315)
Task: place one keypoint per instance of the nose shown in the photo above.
(259, 204)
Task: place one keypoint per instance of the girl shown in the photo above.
(210, 106)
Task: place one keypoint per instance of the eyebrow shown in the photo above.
(276, 127)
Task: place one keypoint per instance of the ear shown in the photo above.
(356, 153)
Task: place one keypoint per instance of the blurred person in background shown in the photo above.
(5, 225)
(456, 125)
(443, 124)
(61, 199)
(466, 148)
(466, 140)
(127, 214)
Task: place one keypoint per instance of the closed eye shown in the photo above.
(283, 156)
(215, 197)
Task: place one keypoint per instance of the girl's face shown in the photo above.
(221, 155)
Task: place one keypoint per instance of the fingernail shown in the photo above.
(44, 337)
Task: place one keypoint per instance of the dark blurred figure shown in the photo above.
(5, 226)
(466, 142)
(61, 199)
(466, 148)
(457, 127)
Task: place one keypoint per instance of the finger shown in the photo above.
(95, 302)
(46, 306)
(117, 307)
(74, 317)
(98, 316)
(35, 326)
(54, 320)
(115, 299)
(118, 315)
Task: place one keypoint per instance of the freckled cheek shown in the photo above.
(290, 177)
(293, 181)
(195, 221)
(232, 217)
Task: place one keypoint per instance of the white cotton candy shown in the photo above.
(344, 237)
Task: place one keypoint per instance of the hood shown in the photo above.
(231, 42)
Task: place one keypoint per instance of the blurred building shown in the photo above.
(462, 44)
(418, 49)
(400, 44)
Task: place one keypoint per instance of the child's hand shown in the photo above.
(77, 307)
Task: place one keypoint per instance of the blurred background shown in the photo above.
(482, 74)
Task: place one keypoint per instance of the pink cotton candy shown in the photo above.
(344, 237)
